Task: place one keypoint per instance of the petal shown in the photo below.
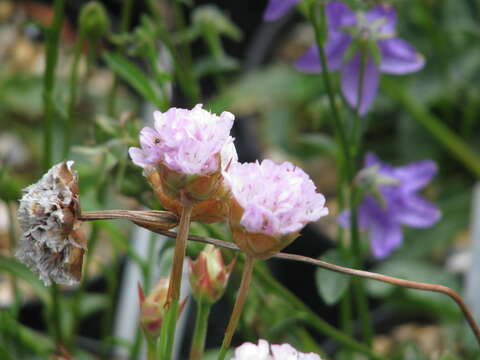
(277, 8)
(386, 235)
(339, 15)
(399, 57)
(416, 175)
(284, 352)
(387, 13)
(350, 80)
(371, 159)
(418, 212)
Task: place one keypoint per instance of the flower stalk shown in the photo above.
(238, 307)
(200, 332)
(173, 294)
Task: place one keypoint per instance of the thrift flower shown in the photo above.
(270, 204)
(52, 244)
(382, 213)
(354, 35)
(209, 275)
(263, 351)
(187, 148)
(152, 308)
(278, 8)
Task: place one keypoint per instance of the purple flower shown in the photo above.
(277, 8)
(349, 35)
(263, 351)
(395, 205)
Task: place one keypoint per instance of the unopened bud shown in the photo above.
(209, 275)
(94, 21)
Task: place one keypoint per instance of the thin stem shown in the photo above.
(53, 37)
(173, 294)
(238, 307)
(77, 52)
(55, 312)
(200, 332)
(151, 349)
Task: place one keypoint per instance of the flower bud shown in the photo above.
(94, 20)
(269, 206)
(52, 244)
(153, 309)
(209, 275)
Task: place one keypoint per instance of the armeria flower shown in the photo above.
(369, 33)
(152, 308)
(209, 275)
(187, 148)
(270, 204)
(383, 211)
(263, 351)
(52, 244)
(277, 8)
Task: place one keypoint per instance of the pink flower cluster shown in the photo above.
(187, 141)
(249, 351)
(277, 199)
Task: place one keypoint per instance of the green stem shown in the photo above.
(238, 307)
(151, 349)
(53, 37)
(450, 140)
(200, 332)
(349, 172)
(55, 314)
(77, 52)
(173, 294)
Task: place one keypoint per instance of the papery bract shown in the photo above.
(250, 351)
(352, 34)
(270, 204)
(52, 243)
(187, 148)
(395, 205)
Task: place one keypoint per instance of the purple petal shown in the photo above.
(277, 8)
(334, 51)
(388, 14)
(339, 15)
(418, 212)
(399, 57)
(416, 175)
(371, 159)
(350, 83)
(386, 236)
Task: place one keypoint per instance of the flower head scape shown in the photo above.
(352, 36)
(396, 203)
(264, 351)
(209, 275)
(52, 244)
(270, 204)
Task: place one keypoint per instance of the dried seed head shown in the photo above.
(52, 244)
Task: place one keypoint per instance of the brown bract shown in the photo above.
(213, 209)
(257, 245)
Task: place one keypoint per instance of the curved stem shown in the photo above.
(237, 309)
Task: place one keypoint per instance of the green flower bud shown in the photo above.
(93, 20)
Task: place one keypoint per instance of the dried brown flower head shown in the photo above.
(52, 244)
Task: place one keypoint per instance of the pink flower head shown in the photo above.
(277, 199)
(186, 141)
(249, 351)
(270, 204)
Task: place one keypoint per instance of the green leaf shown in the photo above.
(135, 77)
(17, 269)
(331, 285)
